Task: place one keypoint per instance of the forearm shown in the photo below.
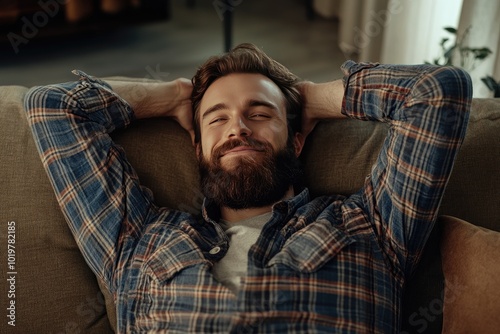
(158, 99)
(150, 99)
(400, 94)
(320, 101)
(323, 100)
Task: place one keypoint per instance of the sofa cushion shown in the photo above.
(472, 193)
(471, 266)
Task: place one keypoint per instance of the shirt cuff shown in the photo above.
(101, 103)
(351, 71)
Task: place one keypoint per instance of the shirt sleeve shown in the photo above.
(427, 108)
(97, 189)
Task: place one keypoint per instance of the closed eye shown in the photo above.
(260, 116)
(216, 120)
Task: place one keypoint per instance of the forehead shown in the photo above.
(236, 88)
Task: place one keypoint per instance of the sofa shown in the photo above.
(46, 286)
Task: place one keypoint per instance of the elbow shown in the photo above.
(448, 90)
(454, 83)
(40, 99)
(444, 84)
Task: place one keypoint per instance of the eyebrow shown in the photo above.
(250, 103)
(214, 108)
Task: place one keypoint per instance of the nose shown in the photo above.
(239, 128)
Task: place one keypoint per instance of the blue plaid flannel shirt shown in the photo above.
(332, 264)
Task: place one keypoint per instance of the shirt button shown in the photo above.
(215, 250)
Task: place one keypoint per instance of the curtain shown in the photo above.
(410, 32)
(482, 18)
(361, 30)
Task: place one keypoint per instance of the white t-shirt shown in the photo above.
(242, 235)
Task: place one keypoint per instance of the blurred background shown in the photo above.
(41, 41)
(168, 42)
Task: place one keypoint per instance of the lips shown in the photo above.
(239, 149)
(241, 146)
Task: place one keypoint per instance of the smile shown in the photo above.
(241, 150)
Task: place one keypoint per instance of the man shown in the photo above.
(263, 257)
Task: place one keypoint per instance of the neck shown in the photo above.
(234, 215)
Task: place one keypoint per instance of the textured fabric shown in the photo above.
(470, 263)
(333, 263)
(476, 171)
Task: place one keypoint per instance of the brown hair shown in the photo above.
(247, 58)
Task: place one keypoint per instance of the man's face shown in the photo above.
(245, 157)
(242, 105)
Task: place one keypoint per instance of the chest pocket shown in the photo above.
(312, 247)
(173, 258)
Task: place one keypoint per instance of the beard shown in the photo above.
(249, 182)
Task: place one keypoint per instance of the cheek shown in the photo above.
(207, 144)
(276, 134)
(205, 149)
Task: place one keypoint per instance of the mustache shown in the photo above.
(233, 143)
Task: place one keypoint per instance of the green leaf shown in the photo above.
(465, 56)
(490, 83)
(481, 53)
(485, 49)
(444, 40)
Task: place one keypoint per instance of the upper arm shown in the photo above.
(96, 188)
(427, 108)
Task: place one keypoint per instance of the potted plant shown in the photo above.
(468, 58)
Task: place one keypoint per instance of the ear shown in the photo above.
(298, 143)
